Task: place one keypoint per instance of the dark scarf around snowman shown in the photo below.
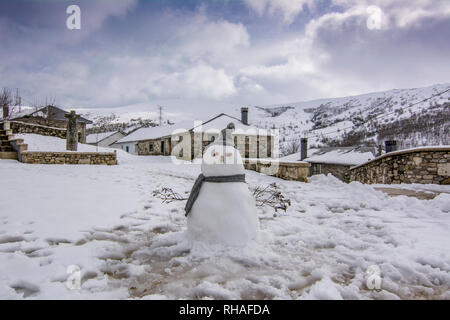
(226, 140)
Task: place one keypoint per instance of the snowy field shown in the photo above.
(130, 245)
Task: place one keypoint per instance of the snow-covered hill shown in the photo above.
(419, 116)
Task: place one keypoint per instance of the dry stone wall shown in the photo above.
(421, 165)
(22, 127)
(282, 170)
(98, 158)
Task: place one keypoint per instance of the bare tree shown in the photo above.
(291, 147)
(6, 101)
(268, 196)
(167, 195)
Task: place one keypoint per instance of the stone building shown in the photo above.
(187, 140)
(338, 160)
(334, 160)
(49, 116)
(104, 139)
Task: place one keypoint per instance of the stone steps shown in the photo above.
(6, 149)
(8, 155)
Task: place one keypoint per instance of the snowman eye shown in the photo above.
(214, 154)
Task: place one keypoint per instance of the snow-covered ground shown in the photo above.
(130, 245)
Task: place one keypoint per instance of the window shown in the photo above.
(150, 146)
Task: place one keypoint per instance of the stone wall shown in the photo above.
(100, 158)
(420, 165)
(153, 147)
(62, 124)
(337, 170)
(24, 127)
(282, 170)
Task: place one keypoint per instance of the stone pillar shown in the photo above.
(83, 132)
(227, 134)
(303, 149)
(72, 131)
(5, 112)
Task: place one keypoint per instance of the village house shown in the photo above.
(187, 140)
(104, 139)
(334, 160)
(49, 116)
(156, 139)
(338, 160)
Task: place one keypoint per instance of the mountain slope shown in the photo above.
(419, 116)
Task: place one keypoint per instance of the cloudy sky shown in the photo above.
(198, 55)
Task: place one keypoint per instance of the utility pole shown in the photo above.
(18, 99)
(160, 115)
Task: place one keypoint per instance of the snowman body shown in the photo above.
(225, 212)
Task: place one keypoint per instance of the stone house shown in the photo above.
(187, 140)
(49, 116)
(150, 140)
(338, 160)
(334, 160)
(104, 139)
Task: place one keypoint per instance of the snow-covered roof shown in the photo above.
(350, 156)
(214, 125)
(344, 156)
(97, 137)
(26, 111)
(295, 157)
(156, 132)
(15, 113)
(220, 122)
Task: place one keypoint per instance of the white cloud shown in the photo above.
(399, 13)
(288, 9)
(200, 36)
(201, 81)
(192, 64)
(403, 13)
(95, 13)
(195, 59)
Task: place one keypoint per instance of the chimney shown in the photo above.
(244, 115)
(390, 145)
(304, 149)
(5, 112)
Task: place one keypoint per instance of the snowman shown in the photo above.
(221, 209)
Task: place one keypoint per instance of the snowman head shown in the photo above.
(222, 160)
